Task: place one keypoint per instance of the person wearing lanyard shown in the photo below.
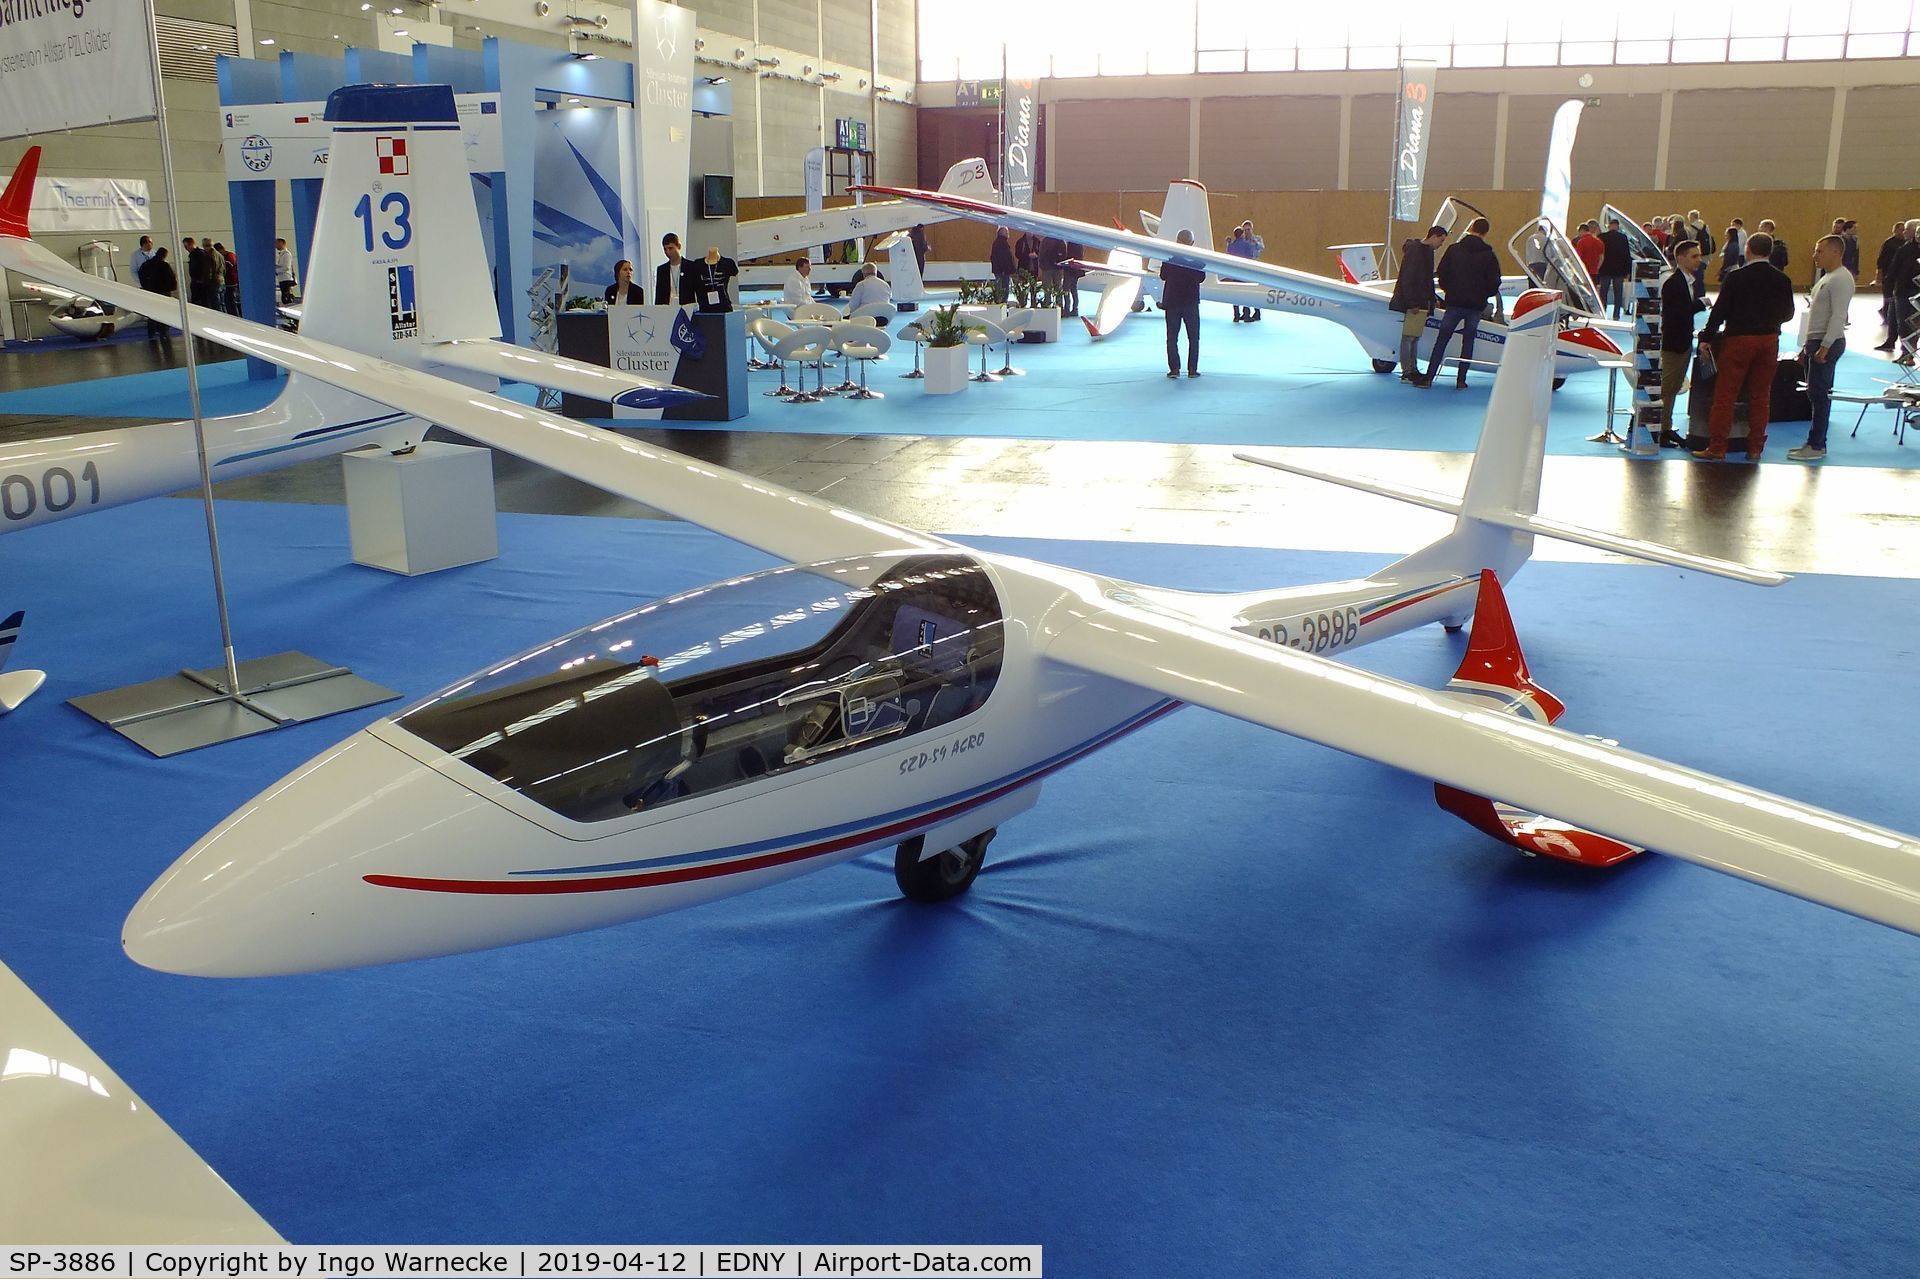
(709, 278)
(670, 286)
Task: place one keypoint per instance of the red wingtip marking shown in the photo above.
(1091, 330)
(1118, 225)
(1493, 651)
(1345, 274)
(19, 195)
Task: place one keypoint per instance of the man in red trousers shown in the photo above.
(1743, 330)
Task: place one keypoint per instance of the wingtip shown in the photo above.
(18, 197)
(658, 397)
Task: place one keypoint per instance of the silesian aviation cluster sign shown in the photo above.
(66, 64)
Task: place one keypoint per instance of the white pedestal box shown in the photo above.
(946, 369)
(1045, 322)
(994, 311)
(422, 511)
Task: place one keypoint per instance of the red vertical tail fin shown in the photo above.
(19, 195)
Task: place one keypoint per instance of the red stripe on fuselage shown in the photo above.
(1377, 614)
(714, 870)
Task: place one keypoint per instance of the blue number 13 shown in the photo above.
(395, 204)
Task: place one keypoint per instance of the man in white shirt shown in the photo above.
(283, 269)
(870, 291)
(141, 256)
(799, 285)
(1826, 340)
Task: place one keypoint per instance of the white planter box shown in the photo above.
(1046, 322)
(987, 311)
(946, 368)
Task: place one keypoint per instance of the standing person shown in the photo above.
(623, 291)
(799, 284)
(1238, 245)
(229, 275)
(1681, 303)
(1588, 247)
(1744, 331)
(283, 270)
(1180, 301)
(1470, 278)
(1696, 229)
(156, 276)
(1826, 339)
(1731, 251)
(1780, 256)
(1070, 282)
(1027, 253)
(1850, 256)
(1257, 246)
(1883, 276)
(1053, 251)
(1615, 265)
(670, 284)
(1906, 278)
(199, 271)
(711, 279)
(1001, 259)
(141, 256)
(919, 238)
(1413, 298)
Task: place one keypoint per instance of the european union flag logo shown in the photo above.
(489, 108)
(687, 339)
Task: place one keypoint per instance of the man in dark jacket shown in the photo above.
(1681, 303)
(1470, 278)
(1744, 331)
(1004, 265)
(1883, 272)
(199, 272)
(156, 276)
(1413, 297)
(1616, 263)
(1780, 255)
(671, 287)
(1906, 279)
(1180, 301)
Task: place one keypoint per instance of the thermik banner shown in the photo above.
(1020, 131)
(66, 64)
(1410, 140)
(663, 104)
(1556, 190)
(88, 204)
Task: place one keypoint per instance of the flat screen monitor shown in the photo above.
(716, 195)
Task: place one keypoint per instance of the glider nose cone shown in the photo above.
(277, 887)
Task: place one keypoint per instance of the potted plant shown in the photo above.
(946, 355)
(1044, 301)
(976, 296)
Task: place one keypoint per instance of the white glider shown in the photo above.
(791, 232)
(15, 686)
(891, 689)
(1363, 312)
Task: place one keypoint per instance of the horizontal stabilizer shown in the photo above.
(520, 364)
(1539, 525)
(17, 686)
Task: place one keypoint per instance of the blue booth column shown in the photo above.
(246, 82)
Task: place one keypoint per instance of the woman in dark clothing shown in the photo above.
(1003, 264)
(623, 291)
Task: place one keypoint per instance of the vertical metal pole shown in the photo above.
(193, 378)
(1393, 174)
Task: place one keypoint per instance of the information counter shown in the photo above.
(702, 352)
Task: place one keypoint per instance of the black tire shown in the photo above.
(1385, 366)
(1559, 382)
(944, 875)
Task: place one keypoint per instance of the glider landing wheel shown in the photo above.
(1559, 382)
(944, 875)
(1385, 366)
(1453, 628)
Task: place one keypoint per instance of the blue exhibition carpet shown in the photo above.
(1285, 381)
(1223, 1004)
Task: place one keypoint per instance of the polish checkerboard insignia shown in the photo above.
(392, 154)
(402, 308)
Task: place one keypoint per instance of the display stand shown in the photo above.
(421, 511)
(1649, 414)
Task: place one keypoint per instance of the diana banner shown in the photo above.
(290, 139)
(88, 204)
(1411, 137)
(66, 64)
(1020, 131)
(1556, 189)
(663, 102)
